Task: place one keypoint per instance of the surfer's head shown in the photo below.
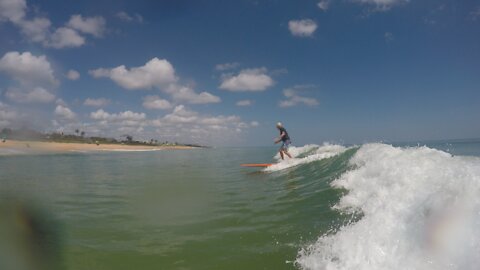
(279, 125)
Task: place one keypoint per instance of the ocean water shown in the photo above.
(372, 206)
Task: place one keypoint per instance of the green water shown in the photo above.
(193, 209)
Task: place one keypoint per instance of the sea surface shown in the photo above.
(371, 206)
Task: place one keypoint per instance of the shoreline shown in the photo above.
(14, 147)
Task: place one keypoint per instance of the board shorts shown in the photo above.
(285, 145)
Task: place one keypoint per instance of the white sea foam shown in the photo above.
(306, 154)
(421, 210)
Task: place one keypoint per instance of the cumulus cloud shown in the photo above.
(184, 123)
(96, 102)
(255, 79)
(226, 66)
(39, 29)
(245, 102)
(181, 115)
(124, 16)
(388, 37)
(156, 103)
(32, 74)
(12, 10)
(180, 124)
(156, 72)
(7, 115)
(194, 123)
(302, 28)
(188, 95)
(28, 69)
(89, 25)
(475, 14)
(36, 30)
(382, 5)
(73, 75)
(64, 112)
(122, 116)
(133, 123)
(324, 5)
(37, 95)
(65, 37)
(293, 97)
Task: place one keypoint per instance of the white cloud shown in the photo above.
(28, 69)
(388, 37)
(156, 72)
(122, 116)
(122, 15)
(65, 37)
(180, 124)
(302, 28)
(254, 124)
(125, 122)
(324, 5)
(39, 29)
(32, 73)
(89, 25)
(475, 14)
(245, 102)
(60, 101)
(7, 115)
(73, 75)
(99, 102)
(64, 112)
(382, 5)
(184, 123)
(293, 98)
(12, 10)
(247, 80)
(181, 115)
(187, 94)
(36, 30)
(37, 95)
(155, 102)
(226, 66)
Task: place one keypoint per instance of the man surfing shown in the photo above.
(285, 139)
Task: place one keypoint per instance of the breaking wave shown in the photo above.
(415, 208)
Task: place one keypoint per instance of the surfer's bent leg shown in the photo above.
(284, 148)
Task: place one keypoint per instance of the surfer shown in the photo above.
(285, 139)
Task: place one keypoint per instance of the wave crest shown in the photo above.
(306, 154)
(421, 210)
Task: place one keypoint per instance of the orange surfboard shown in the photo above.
(262, 165)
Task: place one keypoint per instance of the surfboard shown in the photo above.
(262, 165)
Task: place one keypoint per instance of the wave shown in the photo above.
(306, 154)
(418, 208)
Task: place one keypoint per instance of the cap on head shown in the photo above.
(279, 124)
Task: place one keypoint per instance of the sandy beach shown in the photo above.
(35, 147)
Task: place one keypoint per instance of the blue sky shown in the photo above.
(224, 72)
